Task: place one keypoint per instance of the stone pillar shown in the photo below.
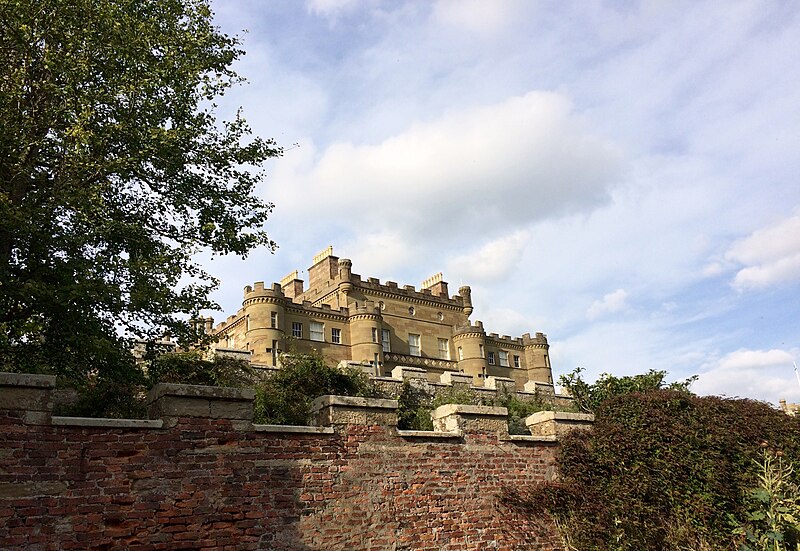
(471, 419)
(503, 385)
(171, 401)
(408, 373)
(460, 380)
(353, 410)
(557, 423)
(29, 395)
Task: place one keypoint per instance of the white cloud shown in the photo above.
(479, 171)
(492, 262)
(329, 8)
(611, 303)
(770, 255)
(761, 374)
(477, 16)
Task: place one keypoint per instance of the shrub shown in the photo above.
(285, 397)
(190, 368)
(661, 470)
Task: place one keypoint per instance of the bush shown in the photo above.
(588, 397)
(661, 470)
(285, 397)
(191, 369)
(415, 405)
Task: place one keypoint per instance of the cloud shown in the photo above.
(477, 16)
(331, 8)
(770, 255)
(479, 171)
(492, 262)
(611, 303)
(760, 374)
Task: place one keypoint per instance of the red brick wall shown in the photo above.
(210, 484)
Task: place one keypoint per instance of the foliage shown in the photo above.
(114, 171)
(660, 470)
(415, 405)
(121, 393)
(285, 397)
(588, 397)
(773, 515)
(190, 368)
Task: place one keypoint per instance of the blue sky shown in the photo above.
(622, 176)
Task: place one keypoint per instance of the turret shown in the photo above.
(345, 271)
(365, 334)
(537, 358)
(466, 297)
(264, 317)
(470, 344)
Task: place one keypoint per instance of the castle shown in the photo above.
(379, 326)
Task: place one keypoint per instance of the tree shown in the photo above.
(114, 172)
(588, 397)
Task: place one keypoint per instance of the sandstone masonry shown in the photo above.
(378, 325)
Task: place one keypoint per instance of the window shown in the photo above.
(297, 329)
(516, 361)
(336, 336)
(317, 331)
(483, 354)
(374, 335)
(491, 358)
(413, 345)
(386, 340)
(444, 350)
(503, 358)
(460, 354)
(231, 341)
(275, 353)
(273, 320)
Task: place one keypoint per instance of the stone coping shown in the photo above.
(302, 429)
(198, 391)
(464, 409)
(529, 438)
(540, 416)
(27, 380)
(108, 423)
(353, 402)
(429, 434)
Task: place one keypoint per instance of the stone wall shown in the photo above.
(200, 475)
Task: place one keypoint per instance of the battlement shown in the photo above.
(258, 290)
(538, 339)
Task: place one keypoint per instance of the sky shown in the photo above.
(622, 176)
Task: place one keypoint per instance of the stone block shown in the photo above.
(353, 410)
(408, 373)
(557, 423)
(32, 394)
(501, 384)
(471, 419)
(539, 388)
(452, 378)
(171, 400)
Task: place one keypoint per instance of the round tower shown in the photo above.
(537, 358)
(365, 334)
(264, 331)
(465, 292)
(470, 344)
(345, 285)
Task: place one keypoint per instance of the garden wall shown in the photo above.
(200, 475)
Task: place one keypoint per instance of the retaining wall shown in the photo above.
(200, 475)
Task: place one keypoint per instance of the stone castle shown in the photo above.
(378, 325)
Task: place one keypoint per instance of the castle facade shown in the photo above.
(378, 325)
